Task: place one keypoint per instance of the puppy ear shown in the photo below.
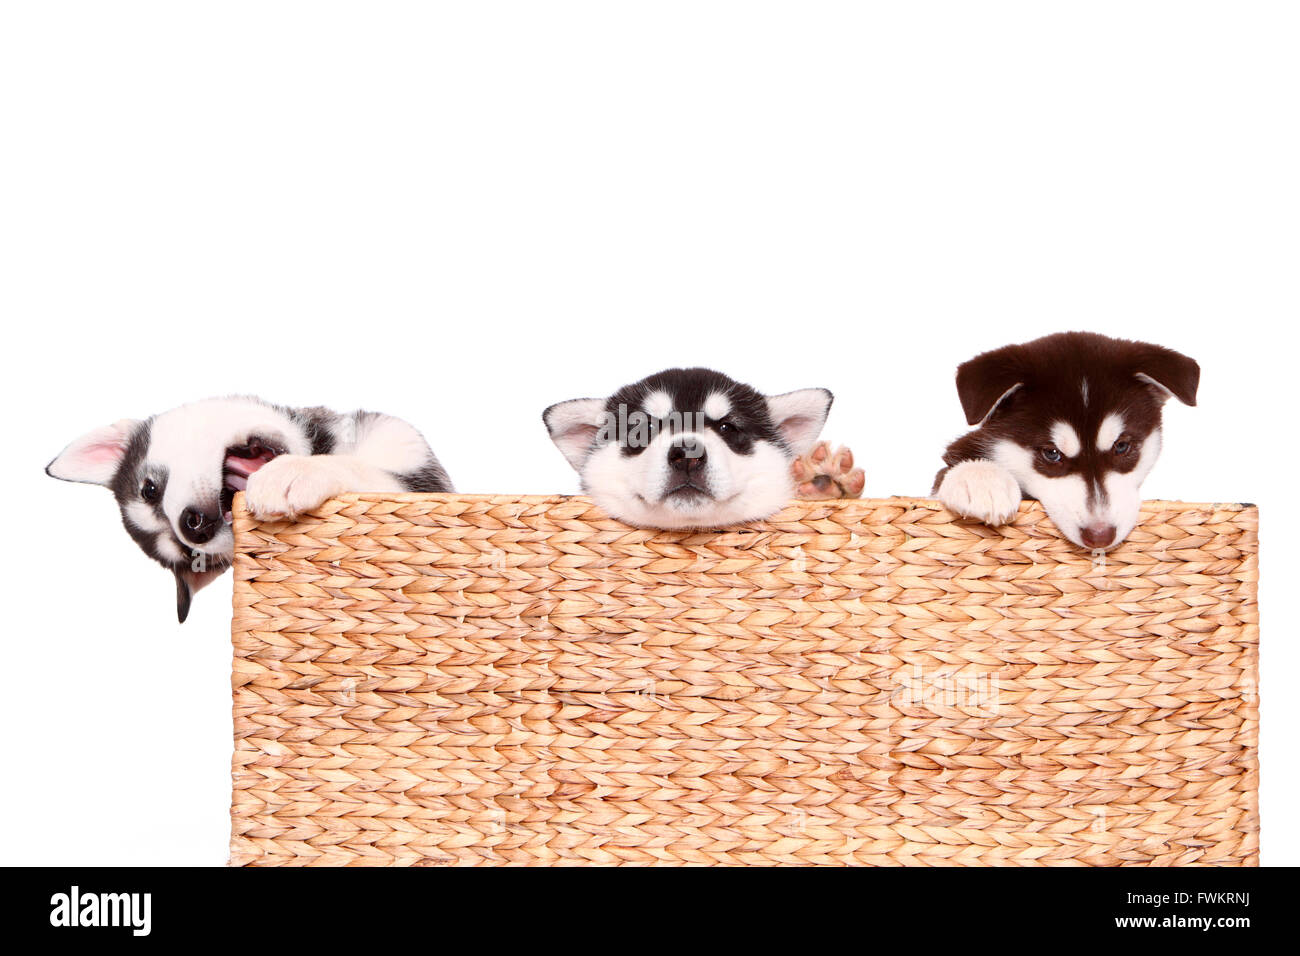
(1172, 373)
(799, 416)
(188, 584)
(986, 381)
(574, 426)
(93, 458)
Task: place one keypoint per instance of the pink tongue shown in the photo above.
(240, 468)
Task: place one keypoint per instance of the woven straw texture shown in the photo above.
(452, 679)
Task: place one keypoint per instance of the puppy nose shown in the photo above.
(197, 526)
(1097, 535)
(687, 457)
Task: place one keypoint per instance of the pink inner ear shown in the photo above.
(575, 440)
(197, 580)
(93, 457)
(102, 453)
(795, 425)
(800, 431)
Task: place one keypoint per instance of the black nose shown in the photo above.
(687, 456)
(198, 527)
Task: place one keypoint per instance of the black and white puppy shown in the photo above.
(175, 475)
(688, 448)
(1071, 419)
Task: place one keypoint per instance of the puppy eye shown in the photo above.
(728, 428)
(1122, 447)
(150, 491)
(1051, 454)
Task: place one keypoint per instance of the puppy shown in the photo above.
(692, 448)
(175, 475)
(1072, 420)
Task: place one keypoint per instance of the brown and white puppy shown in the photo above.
(1072, 420)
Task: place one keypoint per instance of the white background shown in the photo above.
(460, 213)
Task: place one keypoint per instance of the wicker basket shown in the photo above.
(424, 679)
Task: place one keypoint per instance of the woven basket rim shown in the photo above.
(1026, 507)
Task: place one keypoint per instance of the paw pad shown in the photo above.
(823, 474)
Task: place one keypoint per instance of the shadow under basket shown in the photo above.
(459, 679)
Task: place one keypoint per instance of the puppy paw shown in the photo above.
(823, 474)
(981, 490)
(291, 484)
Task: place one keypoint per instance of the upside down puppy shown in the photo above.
(174, 475)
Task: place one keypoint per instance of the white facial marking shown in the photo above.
(723, 487)
(658, 404)
(741, 487)
(142, 515)
(168, 549)
(717, 406)
(1083, 389)
(1112, 427)
(1124, 491)
(1066, 440)
(190, 442)
(1066, 499)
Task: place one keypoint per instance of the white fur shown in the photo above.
(292, 484)
(142, 516)
(1112, 427)
(366, 460)
(743, 487)
(1124, 492)
(658, 404)
(982, 490)
(1066, 499)
(573, 426)
(1066, 440)
(168, 548)
(738, 488)
(186, 457)
(717, 405)
(93, 458)
(799, 416)
(387, 444)
(191, 442)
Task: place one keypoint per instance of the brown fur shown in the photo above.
(1043, 379)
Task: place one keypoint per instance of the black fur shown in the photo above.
(689, 388)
